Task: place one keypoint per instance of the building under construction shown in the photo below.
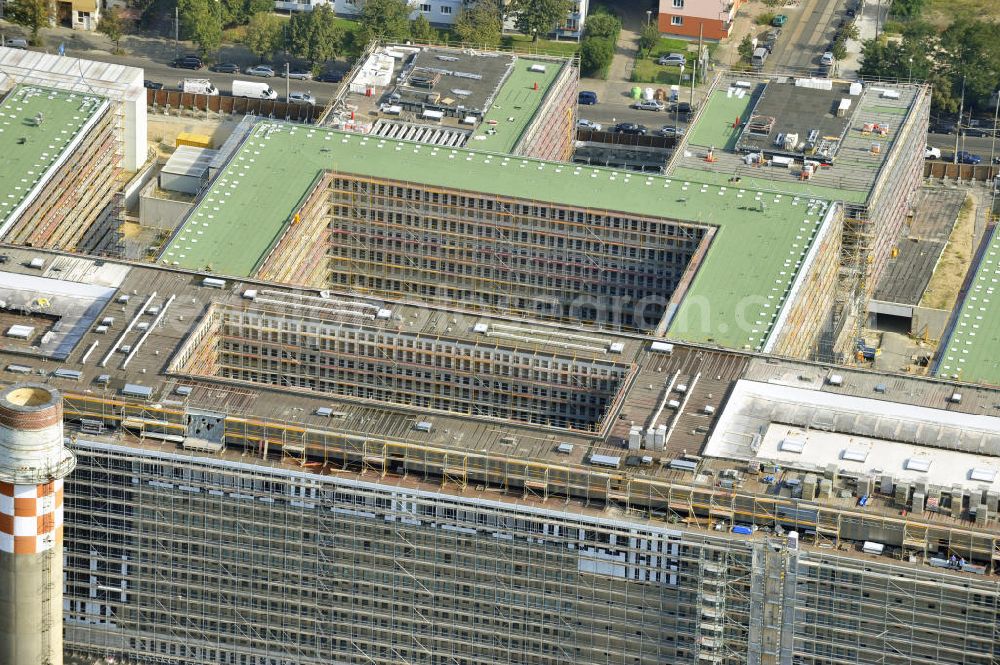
(490, 489)
(73, 132)
(859, 144)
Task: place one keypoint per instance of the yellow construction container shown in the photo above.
(195, 140)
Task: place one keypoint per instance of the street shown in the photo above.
(977, 145)
(810, 29)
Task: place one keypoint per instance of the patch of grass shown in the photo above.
(943, 13)
(765, 18)
(647, 71)
(523, 44)
(234, 35)
(669, 45)
(942, 291)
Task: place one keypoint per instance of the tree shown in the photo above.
(907, 9)
(314, 35)
(32, 14)
(421, 30)
(595, 56)
(603, 25)
(539, 17)
(839, 49)
(239, 12)
(649, 36)
(972, 55)
(745, 49)
(201, 22)
(479, 25)
(386, 20)
(111, 24)
(263, 34)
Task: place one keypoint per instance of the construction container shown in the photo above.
(194, 140)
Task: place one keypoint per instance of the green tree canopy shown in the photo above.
(649, 36)
(32, 14)
(539, 17)
(603, 25)
(388, 20)
(595, 56)
(314, 35)
(112, 25)
(479, 24)
(421, 30)
(745, 49)
(201, 22)
(263, 34)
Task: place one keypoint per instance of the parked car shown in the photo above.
(587, 97)
(682, 109)
(770, 39)
(188, 62)
(588, 124)
(152, 85)
(330, 77)
(629, 128)
(300, 75)
(16, 42)
(649, 105)
(930, 152)
(226, 68)
(671, 59)
(968, 158)
(670, 131)
(943, 126)
(260, 70)
(301, 98)
(827, 59)
(779, 20)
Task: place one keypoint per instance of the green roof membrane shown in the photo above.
(733, 300)
(715, 126)
(972, 351)
(515, 105)
(31, 148)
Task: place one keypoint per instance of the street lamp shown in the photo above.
(909, 77)
(996, 115)
(649, 16)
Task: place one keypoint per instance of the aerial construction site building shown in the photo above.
(417, 403)
(267, 474)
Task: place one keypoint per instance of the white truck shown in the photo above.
(199, 87)
(253, 90)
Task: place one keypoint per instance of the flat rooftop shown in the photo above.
(971, 351)
(38, 126)
(462, 81)
(761, 242)
(856, 167)
(782, 109)
(907, 275)
(516, 104)
(164, 310)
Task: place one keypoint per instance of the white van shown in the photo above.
(758, 58)
(199, 87)
(253, 90)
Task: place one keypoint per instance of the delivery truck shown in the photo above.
(199, 87)
(253, 90)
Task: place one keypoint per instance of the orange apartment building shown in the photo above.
(712, 19)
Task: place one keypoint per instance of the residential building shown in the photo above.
(708, 19)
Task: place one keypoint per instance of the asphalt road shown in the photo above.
(171, 77)
(810, 28)
(977, 145)
(608, 113)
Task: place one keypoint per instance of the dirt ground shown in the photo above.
(942, 291)
(162, 130)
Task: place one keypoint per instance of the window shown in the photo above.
(445, 9)
(676, 20)
(425, 8)
(679, 4)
